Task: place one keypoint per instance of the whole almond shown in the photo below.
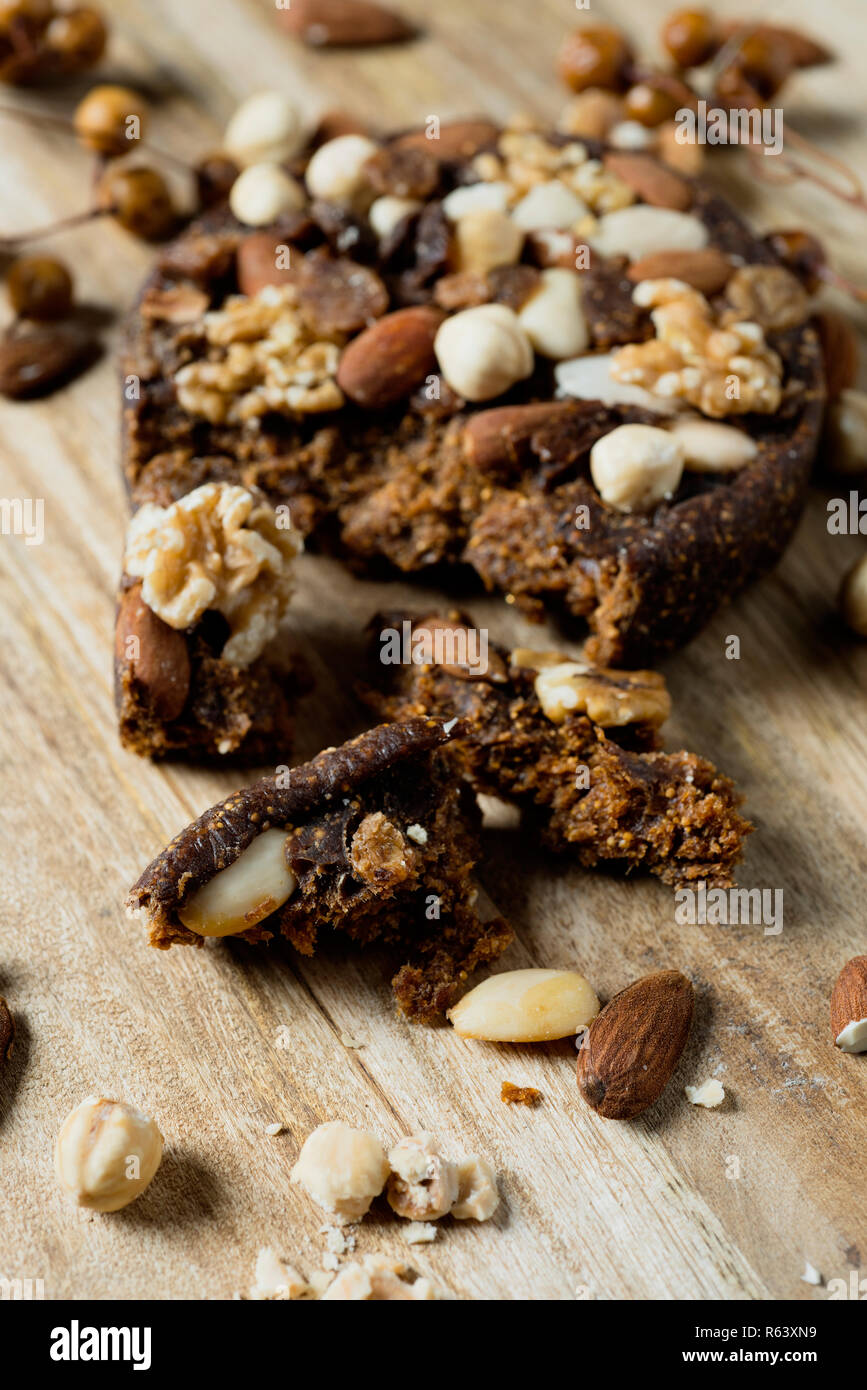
(36, 362)
(708, 271)
(457, 140)
(849, 1006)
(839, 351)
(493, 438)
(388, 360)
(155, 652)
(7, 1031)
(651, 181)
(344, 23)
(630, 1051)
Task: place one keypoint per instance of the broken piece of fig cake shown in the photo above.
(376, 839)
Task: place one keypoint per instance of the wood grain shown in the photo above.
(219, 1043)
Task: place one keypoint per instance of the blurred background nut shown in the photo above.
(642, 231)
(483, 351)
(553, 318)
(846, 433)
(110, 119)
(264, 192)
(342, 1169)
(77, 37)
(386, 212)
(594, 56)
(7, 1031)
(691, 37)
(140, 201)
(423, 1185)
(250, 889)
(336, 172)
(549, 204)
(106, 1153)
(486, 238)
(39, 287)
(591, 114)
(526, 1006)
(636, 466)
(709, 447)
(265, 127)
(478, 1197)
(853, 598)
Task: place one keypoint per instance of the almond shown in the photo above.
(839, 351)
(257, 262)
(344, 23)
(526, 1006)
(849, 1006)
(7, 1031)
(456, 140)
(35, 362)
(630, 1051)
(708, 271)
(650, 180)
(802, 51)
(156, 654)
(389, 359)
(501, 436)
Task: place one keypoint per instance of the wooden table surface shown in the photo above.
(217, 1044)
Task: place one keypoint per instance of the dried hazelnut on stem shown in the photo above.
(692, 37)
(214, 175)
(140, 201)
(77, 38)
(39, 288)
(109, 119)
(106, 1153)
(595, 56)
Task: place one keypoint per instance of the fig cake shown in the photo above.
(376, 840)
(563, 369)
(575, 746)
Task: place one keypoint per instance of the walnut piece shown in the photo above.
(768, 295)
(722, 368)
(610, 698)
(261, 356)
(216, 548)
(526, 160)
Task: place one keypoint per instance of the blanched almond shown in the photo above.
(526, 1006)
(640, 230)
(246, 892)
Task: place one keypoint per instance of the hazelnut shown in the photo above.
(846, 433)
(140, 201)
(342, 1169)
(336, 171)
(106, 1153)
(692, 37)
(483, 351)
(553, 317)
(649, 104)
(526, 1006)
(853, 598)
(262, 193)
(594, 56)
(478, 1197)
(265, 127)
(39, 288)
(386, 212)
(634, 467)
(549, 204)
(249, 890)
(473, 196)
(485, 239)
(423, 1185)
(108, 119)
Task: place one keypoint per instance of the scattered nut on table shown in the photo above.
(423, 1185)
(106, 1153)
(342, 1169)
(526, 1006)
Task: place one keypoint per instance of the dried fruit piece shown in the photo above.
(403, 171)
(259, 262)
(456, 140)
(339, 296)
(526, 1006)
(630, 1051)
(849, 1006)
(344, 23)
(520, 1095)
(156, 653)
(388, 360)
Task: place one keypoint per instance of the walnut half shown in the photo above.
(610, 698)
